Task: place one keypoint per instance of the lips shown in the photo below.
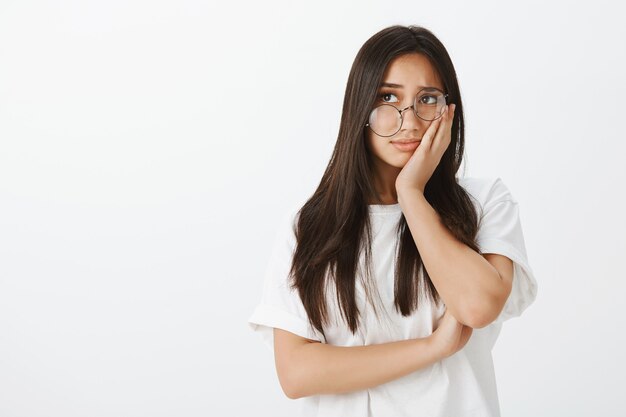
(406, 146)
(406, 140)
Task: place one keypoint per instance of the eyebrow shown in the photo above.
(392, 85)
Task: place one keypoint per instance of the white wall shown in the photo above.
(148, 150)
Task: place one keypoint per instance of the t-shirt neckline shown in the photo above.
(384, 208)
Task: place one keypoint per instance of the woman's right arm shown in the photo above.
(307, 367)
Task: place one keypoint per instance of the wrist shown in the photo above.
(409, 189)
(404, 193)
(437, 353)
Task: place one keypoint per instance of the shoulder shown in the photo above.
(486, 191)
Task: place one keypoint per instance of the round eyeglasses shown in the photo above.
(386, 120)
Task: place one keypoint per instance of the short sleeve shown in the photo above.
(280, 306)
(500, 231)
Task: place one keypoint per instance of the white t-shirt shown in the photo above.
(461, 385)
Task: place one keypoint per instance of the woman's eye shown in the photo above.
(386, 96)
(428, 99)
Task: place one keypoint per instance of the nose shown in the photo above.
(410, 119)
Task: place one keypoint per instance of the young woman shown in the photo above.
(387, 289)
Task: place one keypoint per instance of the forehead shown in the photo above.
(412, 70)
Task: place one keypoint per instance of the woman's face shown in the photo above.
(408, 74)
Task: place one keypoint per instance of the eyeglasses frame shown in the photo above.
(445, 96)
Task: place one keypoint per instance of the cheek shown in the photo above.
(385, 151)
(378, 145)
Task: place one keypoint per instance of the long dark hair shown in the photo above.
(333, 226)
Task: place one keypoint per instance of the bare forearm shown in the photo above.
(327, 369)
(466, 281)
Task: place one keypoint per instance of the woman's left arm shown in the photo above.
(474, 287)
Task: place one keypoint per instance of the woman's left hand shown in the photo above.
(420, 167)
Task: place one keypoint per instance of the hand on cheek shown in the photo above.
(420, 167)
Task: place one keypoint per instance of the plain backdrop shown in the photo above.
(148, 150)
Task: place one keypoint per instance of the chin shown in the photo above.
(399, 161)
(394, 160)
(396, 164)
